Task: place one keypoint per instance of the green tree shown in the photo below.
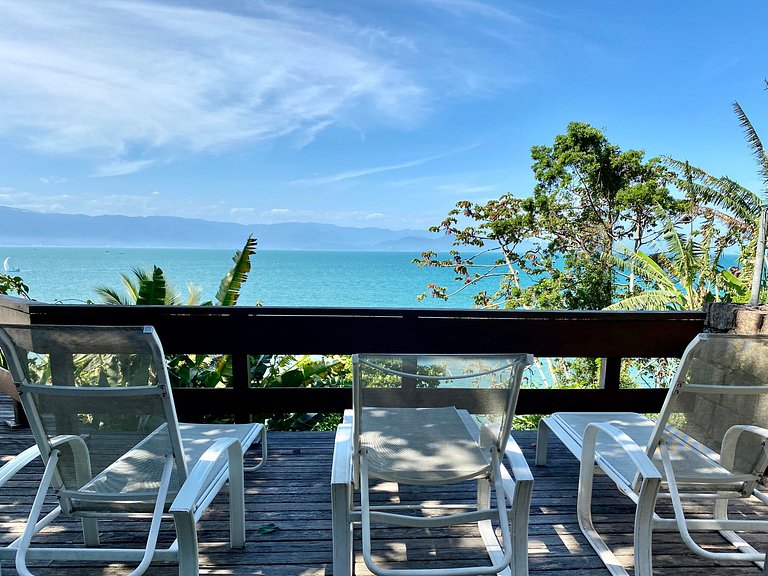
(549, 246)
(547, 250)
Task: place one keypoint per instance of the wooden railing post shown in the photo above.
(240, 384)
(610, 373)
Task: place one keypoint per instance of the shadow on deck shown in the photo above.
(293, 494)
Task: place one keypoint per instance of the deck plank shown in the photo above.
(292, 492)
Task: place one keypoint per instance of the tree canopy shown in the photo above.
(589, 195)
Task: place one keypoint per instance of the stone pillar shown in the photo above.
(735, 318)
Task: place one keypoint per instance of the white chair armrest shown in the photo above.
(637, 455)
(518, 465)
(198, 480)
(731, 438)
(12, 467)
(341, 469)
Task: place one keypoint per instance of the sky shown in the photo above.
(379, 113)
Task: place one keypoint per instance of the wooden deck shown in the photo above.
(292, 493)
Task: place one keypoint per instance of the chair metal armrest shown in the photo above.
(731, 438)
(341, 468)
(518, 465)
(341, 498)
(643, 464)
(12, 467)
(199, 479)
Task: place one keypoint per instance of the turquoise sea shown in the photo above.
(277, 278)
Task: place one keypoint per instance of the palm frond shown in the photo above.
(132, 287)
(650, 300)
(753, 140)
(111, 296)
(642, 265)
(194, 294)
(722, 192)
(173, 295)
(229, 289)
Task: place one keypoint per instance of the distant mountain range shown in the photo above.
(27, 228)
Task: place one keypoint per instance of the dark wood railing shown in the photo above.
(244, 331)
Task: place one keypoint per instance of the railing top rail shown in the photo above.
(323, 330)
(376, 312)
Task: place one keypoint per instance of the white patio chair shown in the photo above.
(100, 409)
(707, 447)
(430, 421)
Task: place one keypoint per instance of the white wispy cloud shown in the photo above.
(128, 84)
(378, 169)
(121, 167)
(114, 79)
(92, 204)
(474, 7)
(53, 179)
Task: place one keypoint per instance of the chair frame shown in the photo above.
(649, 483)
(349, 471)
(198, 485)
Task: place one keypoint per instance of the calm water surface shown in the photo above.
(277, 278)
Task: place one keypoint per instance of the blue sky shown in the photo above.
(357, 113)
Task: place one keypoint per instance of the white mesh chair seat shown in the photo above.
(197, 438)
(135, 476)
(692, 462)
(421, 446)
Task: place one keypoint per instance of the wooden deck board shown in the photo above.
(293, 493)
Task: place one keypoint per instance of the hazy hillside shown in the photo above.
(26, 228)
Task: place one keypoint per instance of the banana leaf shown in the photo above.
(152, 290)
(229, 289)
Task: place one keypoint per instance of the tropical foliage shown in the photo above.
(215, 370)
(548, 250)
(720, 215)
(549, 247)
(13, 285)
(301, 372)
(683, 275)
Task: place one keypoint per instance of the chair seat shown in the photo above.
(690, 460)
(197, 438)
(421, 446)
(135, 476)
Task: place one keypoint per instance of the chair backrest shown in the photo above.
(107, 389)
(486, 387)
(722, 382)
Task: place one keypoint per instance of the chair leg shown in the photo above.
(542, 439)
(34, 514)
(343, 556)
(263, 442)
(189, 563)
(518, 493)
(90, 531)
(236, 496)
(643, 533)
(584, 512)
